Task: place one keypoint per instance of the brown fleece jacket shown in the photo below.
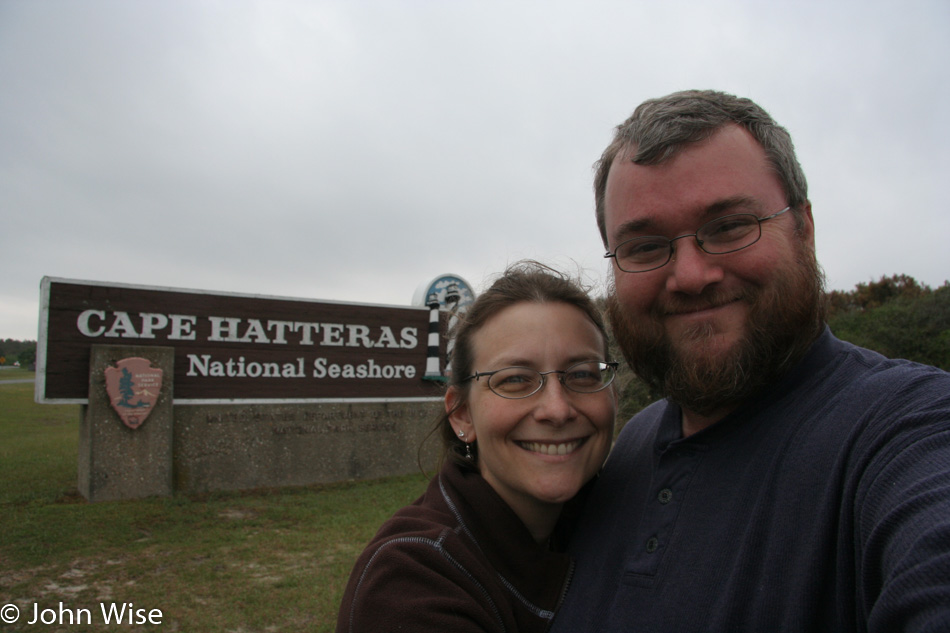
(458, 559)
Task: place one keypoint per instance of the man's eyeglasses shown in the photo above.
(521, 382)
(727, 234)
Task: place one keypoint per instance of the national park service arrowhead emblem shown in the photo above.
(133, 386)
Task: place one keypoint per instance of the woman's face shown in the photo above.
(537, 451)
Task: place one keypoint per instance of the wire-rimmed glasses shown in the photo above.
(521, 382)
(727, 234)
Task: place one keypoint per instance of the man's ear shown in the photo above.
(808, 225)
(460, 416)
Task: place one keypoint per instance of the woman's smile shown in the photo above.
(552, 448)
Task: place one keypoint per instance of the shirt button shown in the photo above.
(665, 496)
(652, 543)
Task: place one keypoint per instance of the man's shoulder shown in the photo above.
(869, 406)
(869, 372)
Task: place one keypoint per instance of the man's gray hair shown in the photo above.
(659, 128)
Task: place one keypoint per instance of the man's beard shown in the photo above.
(784, 320)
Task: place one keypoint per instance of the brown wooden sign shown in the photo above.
(236, 348)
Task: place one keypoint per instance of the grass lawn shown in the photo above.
(15, 373)
(268, 560)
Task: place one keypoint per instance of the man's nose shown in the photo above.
(691, 269)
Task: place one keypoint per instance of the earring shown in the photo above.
(468, 445)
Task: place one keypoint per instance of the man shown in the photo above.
(788, 481)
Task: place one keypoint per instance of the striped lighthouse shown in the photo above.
(452, 297)
(433, 372)
(452, 294)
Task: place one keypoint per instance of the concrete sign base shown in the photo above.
(203, 448)
(252, 446)
(117, 461)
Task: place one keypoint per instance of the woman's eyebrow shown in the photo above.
(517, 361)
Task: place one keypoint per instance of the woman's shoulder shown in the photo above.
(420, 572)
(428, 533)
(423, 520)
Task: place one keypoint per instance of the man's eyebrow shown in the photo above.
(648, 225)
(726, 206)
(640, 226)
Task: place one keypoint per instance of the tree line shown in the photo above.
(896, 316)
(12, 350)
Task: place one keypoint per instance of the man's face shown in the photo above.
(701, 320)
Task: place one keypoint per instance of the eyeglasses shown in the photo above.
(521, 382)
(727, 234)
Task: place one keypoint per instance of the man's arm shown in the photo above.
(902, 517)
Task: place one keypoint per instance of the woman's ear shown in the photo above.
(459, 414)
(615, 395)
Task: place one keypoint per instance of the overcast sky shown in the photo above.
(354, 150)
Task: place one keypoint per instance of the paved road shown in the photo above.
(16, 381)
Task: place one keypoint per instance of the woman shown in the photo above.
(529, 420)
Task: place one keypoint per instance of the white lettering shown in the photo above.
(65, 615)
(128, 614)
(182, 327)
(239, 370)
(204, 366)
(90, 323)
(306, 329)
(359, 336)
(280, 328)
(410, 338)
(333, 334)
(322, 368)
(151, 322)
(290, 370)
(255, 331)
(113, 612)
(374, 370)
(122, 324)
(386, 339)
(197, 366)
(82, 323)
(224, 329)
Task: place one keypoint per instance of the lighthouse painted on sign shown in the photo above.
(454, 295)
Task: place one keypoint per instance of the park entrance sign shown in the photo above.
(191, 391)
(233, 348)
